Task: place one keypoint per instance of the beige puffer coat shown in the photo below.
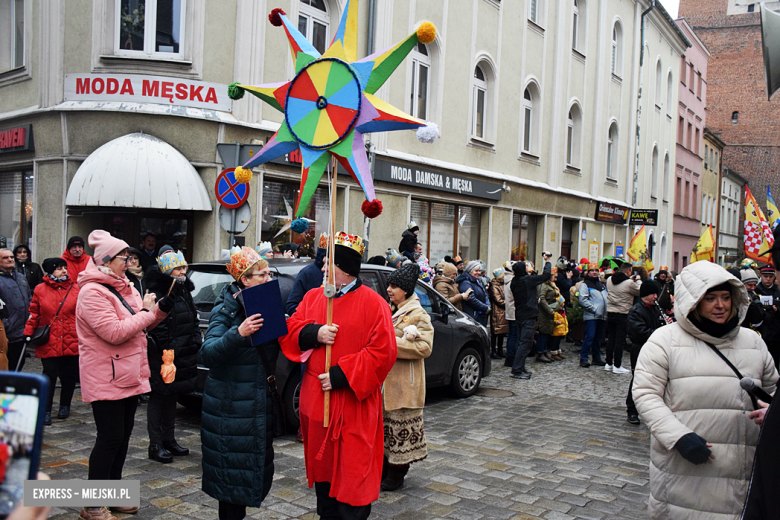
(682, 386)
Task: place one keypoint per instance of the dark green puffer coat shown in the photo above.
(236, 429)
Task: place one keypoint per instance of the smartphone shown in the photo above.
(22, 398)
(635, 273)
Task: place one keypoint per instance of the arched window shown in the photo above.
(573, 136)
(669, 93)
(612, 151)
(617, 49)
(575, 25)
(666, 177)
(530, 124)
(658, 83)
(421, 71)
(734, 117)
(313, 23)
(480, 103)
(654, 169)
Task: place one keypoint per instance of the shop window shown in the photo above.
(612, 153)
(150, 28)
(16, 208)
(313, 23)
(617, 49)
(276, 198)
(421, 214)
(421, 68)
(173, 228)
(447, 230)
(654, 169)
(523, 236)
(11, 34)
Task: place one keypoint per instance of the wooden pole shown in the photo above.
(331, 279)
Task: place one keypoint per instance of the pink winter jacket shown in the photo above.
(112, 344)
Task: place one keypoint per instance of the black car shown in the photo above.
(461, 348)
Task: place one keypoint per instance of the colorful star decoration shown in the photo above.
(330, 104)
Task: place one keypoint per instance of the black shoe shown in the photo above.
(143, 398)
(160, 454)
(569, 340)
(521, 375)
(584, 364)
(598, 363)
(578, 343)
(501, 354)
(493, 355)
(174, 448)
(394, 478)
(508, 362)
(64, 412)
(47, 419)
(633, 418)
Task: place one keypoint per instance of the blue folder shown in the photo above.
(266, 300)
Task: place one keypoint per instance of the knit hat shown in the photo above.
(75, 241)
(733, 271)
(647, 288)
(105, 246)
(449, 269)
(470, 266)
(51, 264)
(165, 249)
(393, 258)
(405, 278)
(748, 275)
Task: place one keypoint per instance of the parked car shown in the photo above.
(461, 348)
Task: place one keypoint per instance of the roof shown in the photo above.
(669, 19)
(138, 171)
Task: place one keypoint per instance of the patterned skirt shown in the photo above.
(404, 436)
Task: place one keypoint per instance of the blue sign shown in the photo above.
(230, 193)
(618, 250)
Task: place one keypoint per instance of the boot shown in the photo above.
(64, 412)
(554, 356)
(160, 454)
(174, 448)
(96, 513)
(542, 358)
(494, 352)
(501, 352)
(47, 418)
(395, 477)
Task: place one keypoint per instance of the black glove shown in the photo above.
(166, 304)
(693, 448)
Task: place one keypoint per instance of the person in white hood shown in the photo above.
(703, 440)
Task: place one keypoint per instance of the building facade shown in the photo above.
(732, 214)
(710, 184)
(536, 101)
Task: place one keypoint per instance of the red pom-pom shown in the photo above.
(275, 17)
(372, 209)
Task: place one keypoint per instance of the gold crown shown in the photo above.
(241, 260)
(353, 242)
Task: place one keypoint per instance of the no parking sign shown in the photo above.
(230, 193)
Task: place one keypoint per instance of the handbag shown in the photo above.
(561, 324)
(732, 367)
(279, 419)
(150, 342)
(40, 335)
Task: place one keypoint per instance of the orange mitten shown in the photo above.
(168, 369)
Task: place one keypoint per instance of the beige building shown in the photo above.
(536, 101)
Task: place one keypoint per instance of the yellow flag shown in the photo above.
(758, 238)
(637, 250)
(705, 247)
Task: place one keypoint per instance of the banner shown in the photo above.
(758, 236)
(643, 217)
(771, 210)
(705, 247)
(637, 250)
(606, 212)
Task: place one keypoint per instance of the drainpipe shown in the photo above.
(369, 144)
(371, 27)
(639, 99)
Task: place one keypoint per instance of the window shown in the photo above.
(692, 83)
(313, 23)
(421, 66)
(654, 169)
(715, 164)
(706, 156)
(683, 69)
(669, 93)
(531, 125)
(681, 131)
(678, 194)
(523, 236)
(694, 200)
(666, 177)
(617, 50)
(658, 83)
(536, 11)
(447, 229)
(689, 136)
(685, 206)
(734, 118)
(751, 8)
(16, 208)
(11, 34)
(698, 85)
(150, 28)
(696, 142)
(612, 151)
(575, 25)
(703, 209)
(480, 102)
(573, 136)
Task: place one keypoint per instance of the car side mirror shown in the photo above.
(445, 313)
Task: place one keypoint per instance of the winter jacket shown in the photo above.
(310, 277)
(112, 343)
(139, 284)
(76, 265)
(621, 291)
(236, 421)
(681, 386)
(498, 323)
(770, 327)
(548, 306)
(178, 331)
(564, 283)
(449, 289)
(642, 322)
(593, 299)
(665, 293)
(31, 271)
(477, 306)
(408, 241)
(509, 298)
(524, 290)
(148, 261)
(15, 292)
(46, 300)
(405, 384)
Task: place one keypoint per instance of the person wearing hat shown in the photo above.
(394, 259)
(237, 433)
(643, 319)
(76, 257)
(755, 314)
(665, 288)
(770, 295)
(458, 261)
(404, 388)
(343, 460)
(15, 294)
(499, 326)
(622, 287)
(445, 284)
(593, 299)
(409, 240)
(27, 267)
(56, 296)
(477, 305)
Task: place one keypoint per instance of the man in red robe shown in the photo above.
(344, 460)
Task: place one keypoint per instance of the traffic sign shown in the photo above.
(230, 193)
(243, 217)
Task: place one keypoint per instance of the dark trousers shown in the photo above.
(15, 349)
(230, 511)
(548, 343)
(331, 509)
(617, 328)
(114, 421)
(511, 343)
(497, 342)
(630, 406)
(524, 343)
(160, 417)
(590, 345)
(67, 369)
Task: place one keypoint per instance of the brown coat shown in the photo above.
(449, 289)
(498, 323)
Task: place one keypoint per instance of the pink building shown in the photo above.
(691, 120)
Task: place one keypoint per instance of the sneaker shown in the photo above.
(633, 418)
(607, 367)
(521, 375)
(620, 370)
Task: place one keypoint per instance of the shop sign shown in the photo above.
(16, 139)
(147, 89)
(646, 217)
(612, 213)
(433, 179)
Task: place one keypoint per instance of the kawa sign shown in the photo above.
(146, 89)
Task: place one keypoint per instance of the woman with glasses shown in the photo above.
(110, 321)
(135, 273)
(236, 424)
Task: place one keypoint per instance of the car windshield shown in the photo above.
(208, 285)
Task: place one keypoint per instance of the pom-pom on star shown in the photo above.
(242, 175)
(330, 104)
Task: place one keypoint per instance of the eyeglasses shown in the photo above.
(265, 275)
(127, 259)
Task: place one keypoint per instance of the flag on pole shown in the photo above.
(758, 235)
(772, 213)
(705, 247)
(637, 250)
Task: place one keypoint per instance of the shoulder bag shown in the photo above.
(150, 343)
(41, 334)
(279, 419)
(732, 367)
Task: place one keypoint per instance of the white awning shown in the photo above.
(138, 171)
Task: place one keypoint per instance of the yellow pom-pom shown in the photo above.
(243, 175)
(426, 33)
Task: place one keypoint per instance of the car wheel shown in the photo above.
(291, 397)
(193, 402)
(466, 373)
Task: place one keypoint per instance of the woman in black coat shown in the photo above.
(25, 266)
(179, 332)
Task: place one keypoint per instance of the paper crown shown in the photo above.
(508, 266)
(353, 242)
(593, 266)
(171, 260)
(498, 273)
(265, 249)
(323, 242)
(241, 260)
(663, 268)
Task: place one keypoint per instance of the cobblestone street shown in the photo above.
(555, 447)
